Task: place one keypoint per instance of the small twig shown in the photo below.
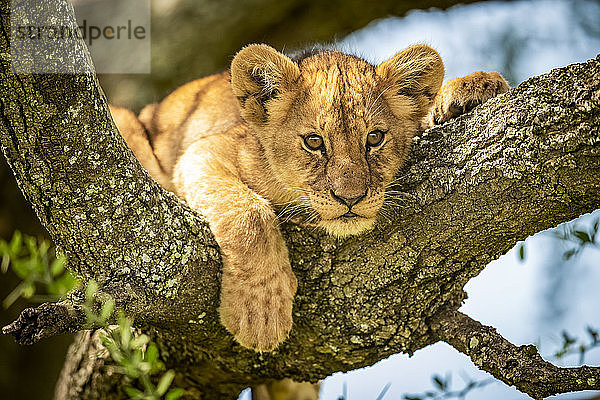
(46, 320)
(521, 366)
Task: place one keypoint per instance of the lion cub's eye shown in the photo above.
(374, 138)
(313, 142)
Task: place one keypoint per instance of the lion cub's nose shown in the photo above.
(348, 201)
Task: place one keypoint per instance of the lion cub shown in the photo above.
(322, 135)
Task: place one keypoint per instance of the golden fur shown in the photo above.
(286, 389)
(232, 145)
(461, 95)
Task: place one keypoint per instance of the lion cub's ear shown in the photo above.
(416, 72)
(260, 73)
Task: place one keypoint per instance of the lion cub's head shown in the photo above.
(335, 129)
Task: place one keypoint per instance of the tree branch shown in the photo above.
(46, 320)
(525, 161)
(520, 366)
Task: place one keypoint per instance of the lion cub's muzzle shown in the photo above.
(348, 202)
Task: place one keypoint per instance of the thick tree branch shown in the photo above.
(523, 162)
(520, 366)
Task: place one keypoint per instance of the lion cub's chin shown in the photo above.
(343, 227)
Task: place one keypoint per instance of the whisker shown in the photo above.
(383, 212)
(289, 208)
(295, 211)
(397, 193)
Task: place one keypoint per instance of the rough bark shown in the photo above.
(525, 161)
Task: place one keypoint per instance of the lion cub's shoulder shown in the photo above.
(199, 108)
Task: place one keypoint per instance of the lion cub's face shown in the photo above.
(336, 129)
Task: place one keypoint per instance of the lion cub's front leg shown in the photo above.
(461, 95)
(258, 285)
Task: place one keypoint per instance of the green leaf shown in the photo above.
(125, 331)
(62, 285)
(28, 290)
(4, 247)
(42, 247)
(22, 268)
(439, 382)
(133, 392)
(151, 354)
(34, 255)
(139, 342)
(106, 341)
(584, 237)
(132, 370)
(158, 366)
(37, 267)
(593, 334)
(106, 311)
(522, 251)
(15, 243)
(90, 290)
(568, 340)
(174, 394)
(165, 382)
(136, 358)
(123, 321)
(5, 261)
(116, 354)
(57, 266)
(570, 253)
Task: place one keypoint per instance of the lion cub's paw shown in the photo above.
(461, 95)
(258, 312)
